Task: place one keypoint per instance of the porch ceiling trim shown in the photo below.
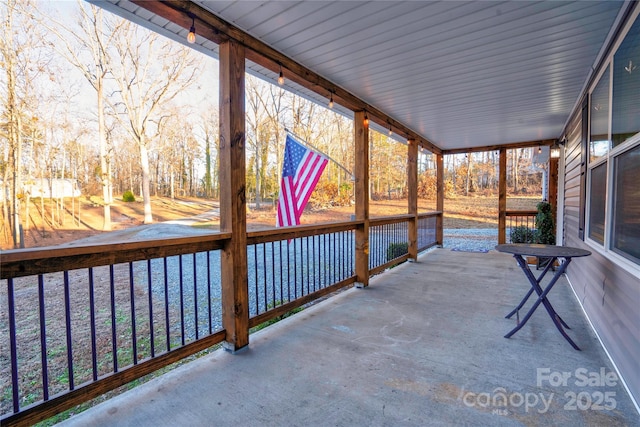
(512, 145)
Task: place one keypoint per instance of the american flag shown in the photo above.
(301, 170)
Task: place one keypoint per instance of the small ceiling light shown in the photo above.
(281, 77)
(331, 100)
(629, 68)
(390, 131)
(191, 37)
(366, 119)
(539, 150)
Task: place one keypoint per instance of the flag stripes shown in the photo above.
(301, 170)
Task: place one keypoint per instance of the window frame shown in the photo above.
(628, 145)
(609, 158)
(607, 248)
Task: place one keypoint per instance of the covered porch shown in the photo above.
(420, 343)
(423, 344)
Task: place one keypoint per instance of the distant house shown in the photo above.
(48, 188)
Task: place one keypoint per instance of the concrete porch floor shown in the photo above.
(422, 345)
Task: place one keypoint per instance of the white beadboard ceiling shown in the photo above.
(461, 74)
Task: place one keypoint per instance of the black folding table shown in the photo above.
(553, 253)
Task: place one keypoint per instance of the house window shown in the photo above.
(626, 211)
(613, 192)
(626, 87)
(597, 207)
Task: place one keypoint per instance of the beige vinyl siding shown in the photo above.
(609, 294)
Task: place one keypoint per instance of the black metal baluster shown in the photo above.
(134, 341)
(273, 275)
(343, 243)
(325, 270)
(114, 335)
(43, 339)
(195, 295)
(67, 315)
(374, 252)
(308, 264)
(288, 247)
(255, 262)
(92, 311)
(281, 273)
(295, 268)
(352, 245)
(393, 235)
(151, 325)
(379, 233)
(380, 247)
(330, 279)
(264, 272)
(13, 346)
(346, 244)
(182, 339)
(209, 291)
(166, 304)
(315, 260)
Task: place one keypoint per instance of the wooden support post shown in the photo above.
(502, 197)
(233, 218)
(412, 188)
(361, 142)
(440, 198)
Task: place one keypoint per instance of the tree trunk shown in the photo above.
(207, 175)
(17, 184)
(257, 198)
(146, 193)
(172, 182)
(105, 166)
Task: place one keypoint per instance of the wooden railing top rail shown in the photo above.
(522, 213)
(390, 219)
(294, 232)
(429, 214)
(26, 262)
(400, 218)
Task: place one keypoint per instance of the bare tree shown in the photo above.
(22, 61)
(74, 46)
(210, 130)
(149, 72)
(256, 121)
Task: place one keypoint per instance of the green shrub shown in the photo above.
(396, 250)
(521, 234)
(128, 196)
(545, 227)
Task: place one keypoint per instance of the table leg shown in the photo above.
(527, 272)
(535, 283)
(542, 298)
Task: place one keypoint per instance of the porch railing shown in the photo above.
(388, 242)
(516, 219)
(427, 236)
(77, 322)
(287, 269)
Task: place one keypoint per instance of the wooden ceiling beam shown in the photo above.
(211, 27)
(512, 145)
